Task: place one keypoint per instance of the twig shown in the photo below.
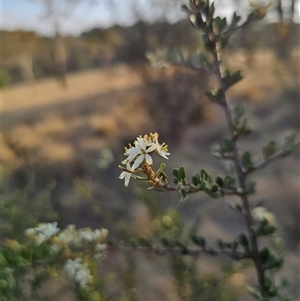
(241, 175)
(194, 252)
(278, 155)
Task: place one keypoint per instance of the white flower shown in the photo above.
(54, 249)
(78, 271)
(47, 229)
(65, 237)
(104, 233)
(39, 239)
(72, 266)
(126, 175)
(100, 234)
(29, 232)
(83, 276)
(162, 150)
(87, 235)
(100, 247)
(140, 152)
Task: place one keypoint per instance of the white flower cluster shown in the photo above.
(63, 241)
(78, 271)
(140, 153)
(42, 232)
(69, 236)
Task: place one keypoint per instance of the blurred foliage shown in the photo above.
(4, 78)
(23, 206)
(101, 47)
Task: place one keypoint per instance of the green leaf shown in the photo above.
(181, 173)
(215, 96)
(243, 240)
(198, 240)
(235, 20)
(211, 12)
(183, 197)
(276, 263)
(238, 112)
(202, 186)
(264, 254)
(199, 61)
(196, 21)
(247, 161)
(219, 24)
(284, 282)
(133, 242)
(268, 283)
(216, 151)
(227, 145)
(198, 5)
(186, 9)
(250, 187)
(175, 181)
(175, 172)
(214, 188)
(255, 293)
(269, 149)
(229, 181)
(3, 261)
(260, 202)
(245, 129)
(289, 141)
(163, 176)
(263, 223)
(203, 174)
(219, 181)
(231, 79)
(234, 206)
(267, 230)
(223, 40)
(196, 180)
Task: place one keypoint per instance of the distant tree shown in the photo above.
(285, 10)
(58, 12)
(19, 50)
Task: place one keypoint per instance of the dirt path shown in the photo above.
(82, 85)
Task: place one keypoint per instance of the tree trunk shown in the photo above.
(60, 58)
(26, 68)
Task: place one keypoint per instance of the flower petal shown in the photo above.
(138, 161)
(127, 179)
(152, 148)
(148, 159)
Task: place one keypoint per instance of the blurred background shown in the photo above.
(77, 87)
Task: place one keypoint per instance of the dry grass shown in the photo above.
(84, 84)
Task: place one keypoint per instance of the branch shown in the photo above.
(194, 252)
(278, 155)
(216, 50)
